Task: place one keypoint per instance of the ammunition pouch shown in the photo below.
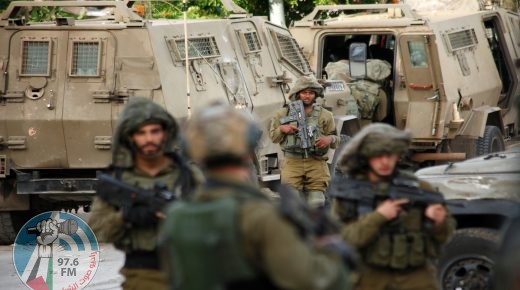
(403, 243)
(292, 143)
(398, 251)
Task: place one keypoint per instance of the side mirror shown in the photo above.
(358, 60)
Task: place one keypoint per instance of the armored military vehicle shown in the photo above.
(488, 187)
(453, 76)
(63, 83)
(451, 79)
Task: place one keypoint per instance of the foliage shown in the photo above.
(4, 4)
(295, 9)
(172, 9)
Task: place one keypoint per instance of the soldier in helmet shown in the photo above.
(230, 236)
(397, 239)
(306, 171)
(143, 154)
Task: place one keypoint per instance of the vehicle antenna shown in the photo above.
(186, 53)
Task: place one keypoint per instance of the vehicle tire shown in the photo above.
(492, 141)
(468, 260)
(7, 229)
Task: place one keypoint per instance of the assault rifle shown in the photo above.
(305, 133)
(364, 195)
(123, 195)
(309, 222)
(315, 223)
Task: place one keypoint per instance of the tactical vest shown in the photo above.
(403, 243)
(292, 142)
(143, 238)
(206, 248)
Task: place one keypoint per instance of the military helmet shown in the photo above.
(374, 140)
(306, 82)
(138, 112)
(221, 134)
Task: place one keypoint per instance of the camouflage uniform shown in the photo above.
(370, 98)
(310, 175)
(141, 269)
(398, 253)
(231, 236)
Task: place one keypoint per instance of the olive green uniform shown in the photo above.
(309, 174)
(397, 253)
(267, 246)
(141, 268)
(139, 243)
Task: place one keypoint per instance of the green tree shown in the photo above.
(4, 4)
(295, 9)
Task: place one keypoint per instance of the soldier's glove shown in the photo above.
(348, 254)
(140, 215)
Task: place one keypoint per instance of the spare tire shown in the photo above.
(468, 260)
(491, 141)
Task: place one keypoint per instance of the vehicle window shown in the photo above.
(35, 58)
(290, 52)
(85, 59)
(199, 47)
(250, 41)
(417, 54)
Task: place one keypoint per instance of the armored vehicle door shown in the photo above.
(32, 104)
(422, 79)
(88, 94)
(257, 68)
(291, 63)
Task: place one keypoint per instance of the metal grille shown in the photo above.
(291, 53)
(253, 44)
(35, 58)
(198, 47)
(85, 59)
(462, 39)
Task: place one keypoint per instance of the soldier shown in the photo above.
(308, 173)
(397, 240)
(143, 154)
(231, 236)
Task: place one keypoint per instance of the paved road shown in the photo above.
(106, 277)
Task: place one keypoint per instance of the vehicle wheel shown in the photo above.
(468, 260)
(492, 141)
(7, 230)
